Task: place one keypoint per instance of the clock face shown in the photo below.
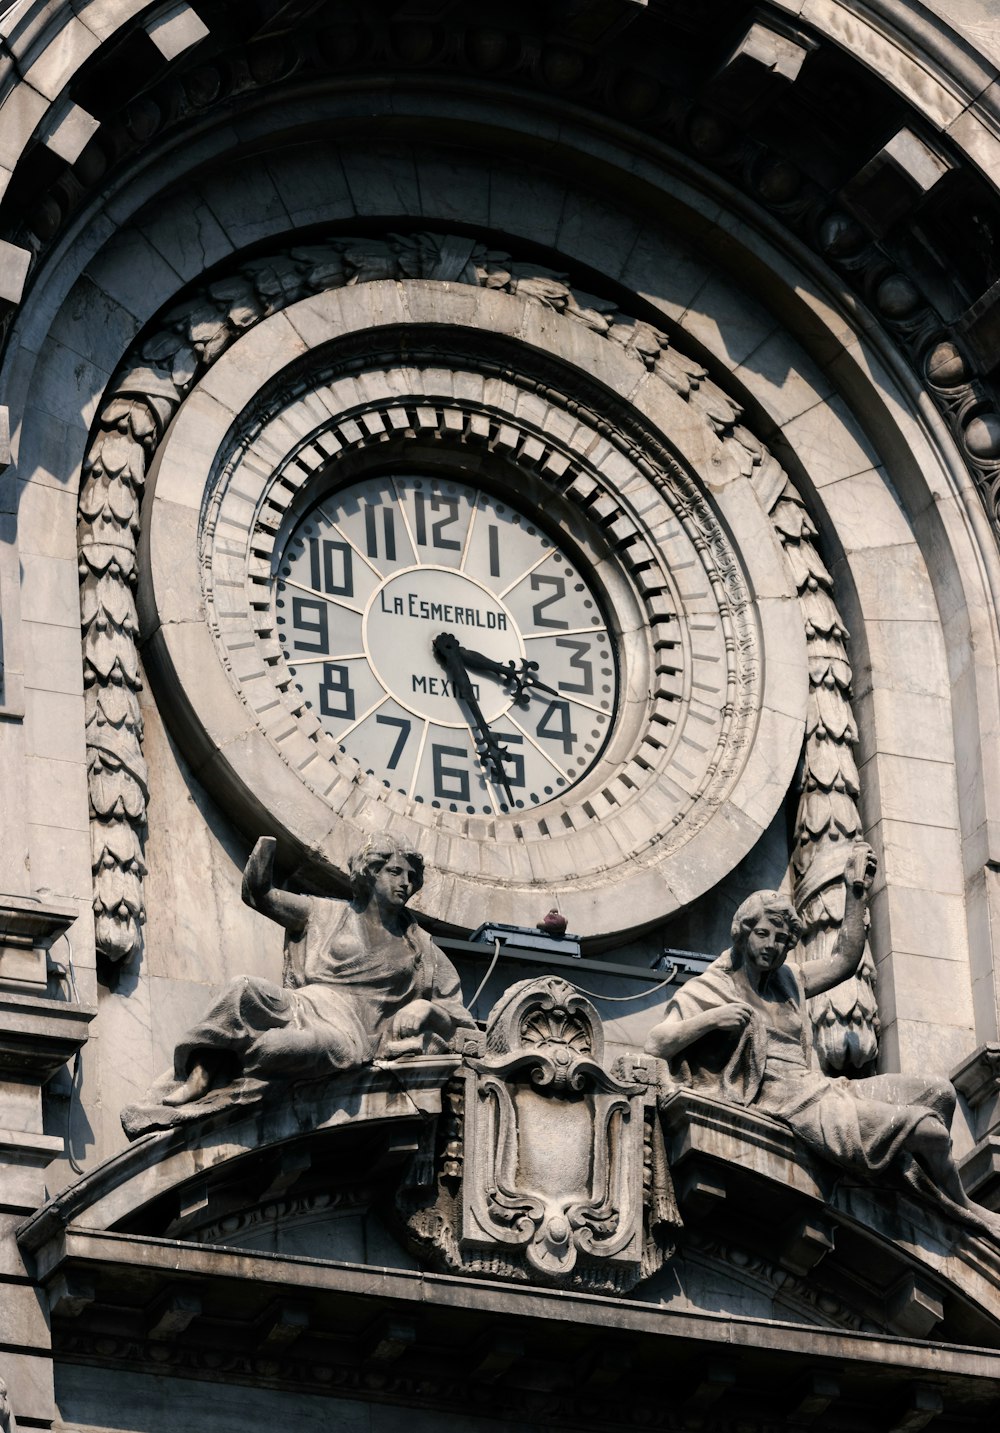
(447, 643)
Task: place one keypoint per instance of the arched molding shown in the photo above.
(927, 63)
(123, 1192)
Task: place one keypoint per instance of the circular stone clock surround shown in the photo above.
(672, 805)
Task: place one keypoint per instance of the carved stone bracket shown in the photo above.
(552, 1168)
(28, 927)
(977, 1079)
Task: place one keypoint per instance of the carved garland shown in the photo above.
(147, 393)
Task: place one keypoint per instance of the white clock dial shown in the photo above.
(447, 643)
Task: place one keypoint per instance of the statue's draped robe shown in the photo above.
(771, 1067)
(344, 984)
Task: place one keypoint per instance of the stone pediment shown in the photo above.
(531, 1203)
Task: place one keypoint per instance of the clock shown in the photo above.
(447, 642)
(439, 579)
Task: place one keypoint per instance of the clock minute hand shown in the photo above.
(449, 654)
(523, 680)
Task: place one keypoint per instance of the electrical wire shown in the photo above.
(490, 969)
(621, 999)
(616, 999)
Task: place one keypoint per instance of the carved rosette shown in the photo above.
(561, 1176)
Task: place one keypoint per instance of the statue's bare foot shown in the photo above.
(193, 1088)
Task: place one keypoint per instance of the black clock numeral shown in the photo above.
(494, 541)
(388, 532)
(585, 687)
(513, 763)
(555, 726)
(438, 504)
(301, 606)
(538, 581)
(336, 682)
(457, 774)
(333, 572)
(405, 728)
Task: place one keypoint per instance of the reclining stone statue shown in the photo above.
(362, 981)
(741, 1031)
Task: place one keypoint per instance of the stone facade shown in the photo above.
(701, 301)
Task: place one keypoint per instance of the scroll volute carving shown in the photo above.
(555, 1144)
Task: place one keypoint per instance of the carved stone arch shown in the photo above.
(769, 256)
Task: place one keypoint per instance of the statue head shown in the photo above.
(765, 928)
(365, 864)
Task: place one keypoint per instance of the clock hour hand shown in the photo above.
(488, 748)
(522, 678)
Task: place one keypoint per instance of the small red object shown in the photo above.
(553, 924)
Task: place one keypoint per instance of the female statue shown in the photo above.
(362, 981)
(741, 1030)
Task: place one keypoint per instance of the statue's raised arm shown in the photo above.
(741, 1032)
(820, 975)
(261, 894)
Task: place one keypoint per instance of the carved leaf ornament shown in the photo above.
(147, 393)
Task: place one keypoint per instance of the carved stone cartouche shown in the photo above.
(551, 1168)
